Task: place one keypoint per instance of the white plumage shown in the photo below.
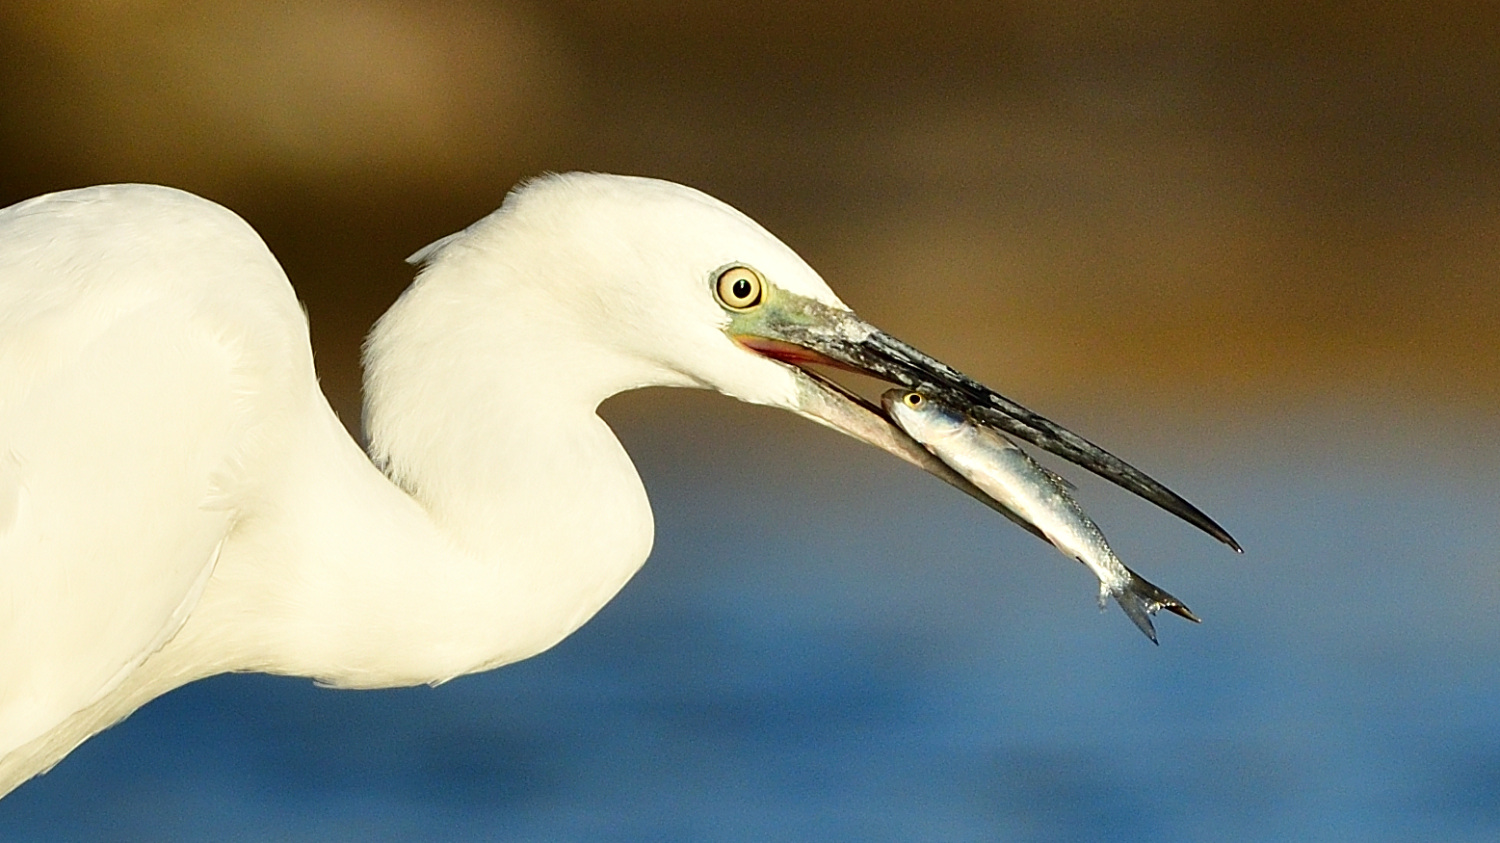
(177, 499)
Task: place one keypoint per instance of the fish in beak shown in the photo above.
(801, 332)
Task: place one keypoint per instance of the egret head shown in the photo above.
(628, 282)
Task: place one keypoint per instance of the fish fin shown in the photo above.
(1058, 479)
(1140, 600)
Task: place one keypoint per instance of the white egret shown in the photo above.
(177, 499)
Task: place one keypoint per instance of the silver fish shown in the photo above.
(1034, 497)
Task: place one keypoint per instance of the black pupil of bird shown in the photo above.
(741, 288)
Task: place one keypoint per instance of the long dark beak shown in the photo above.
(815, 333)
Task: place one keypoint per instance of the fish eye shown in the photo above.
(739, 288)
(913, 400)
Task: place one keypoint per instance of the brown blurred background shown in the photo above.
(1236, 207)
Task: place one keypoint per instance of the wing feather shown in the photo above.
(129, 317)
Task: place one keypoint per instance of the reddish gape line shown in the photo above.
(792, 354)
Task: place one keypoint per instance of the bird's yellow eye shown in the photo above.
(739, 288)
(913, 400)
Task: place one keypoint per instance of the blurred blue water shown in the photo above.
(827, 644)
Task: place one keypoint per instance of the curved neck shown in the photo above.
(342, 576)
(541, 519)
(514, 514)
(503, 553)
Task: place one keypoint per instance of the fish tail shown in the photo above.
(1140, 600)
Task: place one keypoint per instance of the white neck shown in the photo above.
(517, 515)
